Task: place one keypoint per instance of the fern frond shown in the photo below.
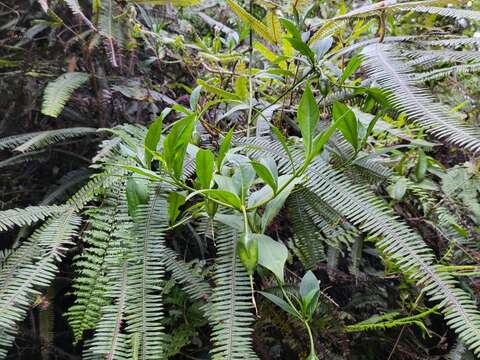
(90, 284)
(77, 10)
(256, 25)
(364, 210)
(40, 139)
(429, 58)
(109, 28)
(110, 340)
(193, 284)
(23, 280)
(445, 12)
(27, 216)
(230, 309)
(384, 64)
(444, 72)
(144, 301)
(307, 242)
(23, 158)
(59, 91)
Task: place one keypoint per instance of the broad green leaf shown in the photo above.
(264, 173)
(195, 97)
(204, 162)
(243, 178)
(274, 206)
(224, 147)
(302, 48)
(247, 248)
(308, 115)
(176, 142)
(309, 282)
(349, 125)
(271, 254)
(233, 220)
(281, 304)
(351, 67)
(175, 200)
(225, 197)
(226, 183)
(153, 137)
(137, 193)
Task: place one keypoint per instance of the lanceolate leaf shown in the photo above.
(256, 25)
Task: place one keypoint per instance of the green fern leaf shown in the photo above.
(146, 270)
(59, 91)
(230, 308)
(384, 64)
(27, 216)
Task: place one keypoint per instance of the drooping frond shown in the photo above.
(110, 340)
(146, 270)
(91, 267)
(446, 12)
(307, 243)
(385, 65)
(370, 215)
(428, 58)
(59, 91)
(29, 269)
(38, 140)
(23, 158)
(194, 284)
(27, 216)
(438, 74)
(231, 308)
(110, 28)
(77, 10)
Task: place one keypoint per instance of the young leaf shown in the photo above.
(204, 166)
(224, 147)
(281, 304)
(308, 115)
(175, 200)
(152, 138)
(137, 193)
(271, 254)
(349, 125)
(421, 166)
(309, 283)
(303, 49)
(247, 248)
(264, 173)
(225, 197)
(351, 67)
(273, 24)
(176, 142)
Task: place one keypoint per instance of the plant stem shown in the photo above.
(310, 335)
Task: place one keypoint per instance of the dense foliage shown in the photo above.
(239, 180)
